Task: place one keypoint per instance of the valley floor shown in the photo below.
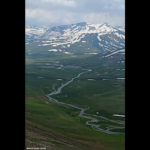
(59, 127)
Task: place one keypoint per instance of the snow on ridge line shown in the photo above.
(123, 50)
(74, 35)
(30, 31)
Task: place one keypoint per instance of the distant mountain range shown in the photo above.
(94, 38)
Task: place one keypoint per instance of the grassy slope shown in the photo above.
(58, 127)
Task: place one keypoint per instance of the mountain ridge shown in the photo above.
(73, 38)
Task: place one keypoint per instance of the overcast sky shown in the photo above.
(58, 12)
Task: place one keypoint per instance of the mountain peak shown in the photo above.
(106, 24)
(104, 36)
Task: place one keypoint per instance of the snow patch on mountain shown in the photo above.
(74, 33)
(53, 50)
(30, 31)
(101, 36)
(123, 50)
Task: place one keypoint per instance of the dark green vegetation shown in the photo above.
(104, 93)
(58, 127)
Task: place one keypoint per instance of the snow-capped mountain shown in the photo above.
(85, 36)
(33, 33)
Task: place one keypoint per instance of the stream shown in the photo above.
(92, 120)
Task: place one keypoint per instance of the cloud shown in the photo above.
(41, 15)
(103, 18)
(96, 17)
(70, 3)
(47, 12)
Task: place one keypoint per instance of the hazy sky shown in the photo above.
(56, 12)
